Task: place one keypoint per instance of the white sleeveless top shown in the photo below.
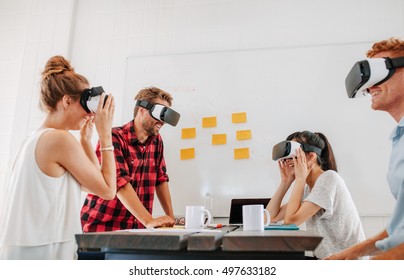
(39, 210)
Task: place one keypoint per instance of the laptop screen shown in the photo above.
(236, 208)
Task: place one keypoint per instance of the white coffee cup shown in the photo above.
(195, 217)
(253, 217)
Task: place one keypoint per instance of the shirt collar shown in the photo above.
(130, 130)
(398, 130)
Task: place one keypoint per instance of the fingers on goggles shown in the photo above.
(90, 98)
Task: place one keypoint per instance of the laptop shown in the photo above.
(236, 208)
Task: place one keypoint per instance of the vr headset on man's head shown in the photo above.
(160, 112)
(90, 98)
(370, 72)
(287, 149)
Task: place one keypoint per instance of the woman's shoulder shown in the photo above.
(58, 137)
(330, 176)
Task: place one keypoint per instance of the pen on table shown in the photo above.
(215, 226)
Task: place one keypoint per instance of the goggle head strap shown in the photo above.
(309, 148)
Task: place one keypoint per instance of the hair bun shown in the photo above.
(56, 64)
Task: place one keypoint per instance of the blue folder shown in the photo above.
(282, 227)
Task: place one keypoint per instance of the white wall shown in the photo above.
(30, 32)
(98, 36)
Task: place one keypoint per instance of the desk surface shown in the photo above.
(226, 239)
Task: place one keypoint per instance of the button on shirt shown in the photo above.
(395, 178)
(140, 164)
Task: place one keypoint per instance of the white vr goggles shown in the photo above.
(287, 149)
(90, 98)
(160, 112)
(370, 72)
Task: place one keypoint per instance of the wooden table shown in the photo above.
(226, 243)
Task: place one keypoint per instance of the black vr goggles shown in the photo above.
(370, 72)
(90, 98)
(287, 149)
(160, 112)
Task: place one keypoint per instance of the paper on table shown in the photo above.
(173, 230)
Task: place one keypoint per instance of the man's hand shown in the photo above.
(163, 221)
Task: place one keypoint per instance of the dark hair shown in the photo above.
(151, 94)
(59, 79)
(326, 160)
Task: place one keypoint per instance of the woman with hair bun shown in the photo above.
(41, 213)
(319, 196)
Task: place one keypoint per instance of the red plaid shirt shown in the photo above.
(141, 165)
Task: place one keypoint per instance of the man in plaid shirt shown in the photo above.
(141, 172)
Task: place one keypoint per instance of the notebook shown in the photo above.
(281, 227)
(236, 208)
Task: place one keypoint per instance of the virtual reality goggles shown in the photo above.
(287, 149)
(160, 112)
(90, 99)
(370, 72)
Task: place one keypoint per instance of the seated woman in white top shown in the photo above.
(41, 211)
(319, 197)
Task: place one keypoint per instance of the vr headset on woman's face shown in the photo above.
(90, 98)
(160, 112)
(287, 149)
(370, 72)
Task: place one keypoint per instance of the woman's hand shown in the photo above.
(104, 115)
(301, 168)
(87, 129)
(287, 171)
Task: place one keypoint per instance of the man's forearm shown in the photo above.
(395, 253)
(131, 201)
(164, 196)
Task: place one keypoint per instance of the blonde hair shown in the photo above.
(59, 79)
(394, 45)
(151, 94)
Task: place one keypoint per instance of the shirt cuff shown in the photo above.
(121, 182)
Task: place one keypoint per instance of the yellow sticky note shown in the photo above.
(241, 153)
(209, 122)
(219, 139)
(239, 117)
(188, 153)
(243, 134)
(188, 133)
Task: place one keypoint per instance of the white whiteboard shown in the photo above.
(282, 90)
